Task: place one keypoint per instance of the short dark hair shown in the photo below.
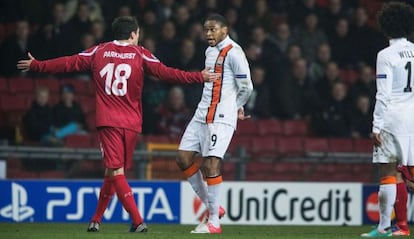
(218, 18)
(396, 19)
(123, 26)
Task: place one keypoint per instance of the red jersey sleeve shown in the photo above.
(154, 67)
(74, 63)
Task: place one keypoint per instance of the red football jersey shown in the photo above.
(117, 70)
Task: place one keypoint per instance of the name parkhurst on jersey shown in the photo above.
(394, 107)
(232, 90)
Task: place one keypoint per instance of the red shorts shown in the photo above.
(117, 146)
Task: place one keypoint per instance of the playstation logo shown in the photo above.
(18, 209)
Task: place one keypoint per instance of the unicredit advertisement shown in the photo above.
(252, 203)
(260, 203)
(75, 201)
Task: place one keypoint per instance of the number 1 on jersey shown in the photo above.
(119, 86)
(408, 68)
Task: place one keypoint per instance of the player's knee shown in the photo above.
(211, 167)
(388, 169)
(184, 160)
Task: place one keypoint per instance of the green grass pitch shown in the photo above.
(158, 231)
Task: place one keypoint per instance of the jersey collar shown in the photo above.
(118, 43)
(398, 40)
(224, 43)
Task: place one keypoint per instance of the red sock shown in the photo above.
(400, 206)
(105, 196)
(125, 196)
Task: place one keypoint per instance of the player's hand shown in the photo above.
(209, 76)
(376, 139)
(24, 65)
(241, 116)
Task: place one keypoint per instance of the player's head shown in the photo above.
(396, 20)
(215, 29)
(126, 28)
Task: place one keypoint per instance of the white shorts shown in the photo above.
(394, 149)
(207, 139)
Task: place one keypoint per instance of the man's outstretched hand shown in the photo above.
(24, 65)
(209, 76)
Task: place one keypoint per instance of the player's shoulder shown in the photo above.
(386, 53)
(146, 54)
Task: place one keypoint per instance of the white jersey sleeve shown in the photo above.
(384, 90)
(241, 70)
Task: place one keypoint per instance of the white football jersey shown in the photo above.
(222, 98)
(394, 107)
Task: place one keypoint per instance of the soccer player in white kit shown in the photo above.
(212, 126)
(393, 125)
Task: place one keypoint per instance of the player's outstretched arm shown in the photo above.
(74, 63)
(156, 68)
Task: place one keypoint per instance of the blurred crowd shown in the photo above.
(310, 59)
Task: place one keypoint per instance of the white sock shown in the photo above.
(386, 198)
(213, 204)
(199, 186)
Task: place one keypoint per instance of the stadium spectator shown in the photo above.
(324, 85)
(38, 120)
(78, 25)
(366, 40)
(258, 105)
(173, 114)
(296, 96)
(341, 45)
(365, 84)
(211, 6)
(335, 11)
(266, 51)
(98, 30)
(189, 60)
(182, 21)
(282, 37)
(69, 117)
(309, 36)
(15, 48)
(164, 10)
(194, 9)
(195, 33)
(150, 25)
(323, 57)
(333, 120)
(87, 40)
(52, 33)
(124, 11)
(153, 94)
(167, 43)
(94, 8)
(260, 16)
(233, 17)
(361, 118)
(302, 8)
(186, 57)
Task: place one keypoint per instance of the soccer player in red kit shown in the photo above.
(117, 69)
